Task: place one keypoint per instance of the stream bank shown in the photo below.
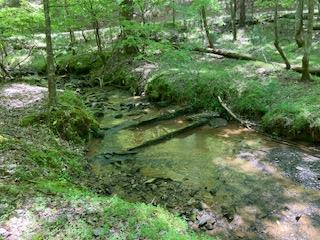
(223, 179)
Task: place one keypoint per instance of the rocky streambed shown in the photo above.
(223, 179)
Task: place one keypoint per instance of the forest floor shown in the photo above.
(44, 186)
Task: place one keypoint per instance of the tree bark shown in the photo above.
(233, 9)
(50, 58)
(318, 9)
(71, 32)
(173, 13)
(206, 27)
(127, 10)
(308, 42)
(299, 23)
(97, 36)
(242, 19)
(276, 38)
(84, 36)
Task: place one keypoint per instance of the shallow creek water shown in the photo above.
(258, 188)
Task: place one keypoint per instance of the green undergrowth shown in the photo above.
(254, 90)
(70, 119)
(43, 186)
(258, 41)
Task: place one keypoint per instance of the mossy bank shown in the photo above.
(48, 192)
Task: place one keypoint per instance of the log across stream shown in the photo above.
(225, 180)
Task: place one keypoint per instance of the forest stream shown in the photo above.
(222, 178)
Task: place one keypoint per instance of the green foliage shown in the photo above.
(210, 4)
(159, 89)
(24, 20)
(81, 63)
(70, 119)
(37, 63)
(256, 98)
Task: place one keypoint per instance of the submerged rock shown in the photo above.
(218, 122)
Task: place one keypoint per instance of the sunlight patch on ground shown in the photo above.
(20, 95)
(294, 222)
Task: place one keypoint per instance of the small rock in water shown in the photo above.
(218, 122)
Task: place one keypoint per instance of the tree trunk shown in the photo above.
(206, 27)
(50, 58)
(242, 19)
(127, 10)
(299, 23)
(318, 9)
(276, 38)
(173, 13)
(84, 36)
(233, 9)
(97, 36)
(308, 42)
(71, 32)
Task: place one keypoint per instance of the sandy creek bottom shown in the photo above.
(255, 188)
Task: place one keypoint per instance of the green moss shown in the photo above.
(38, 63)
(81, 63)
(253, 90)
(70, 119)
(159, 89)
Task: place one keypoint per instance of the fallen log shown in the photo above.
(122, 156)
(132, 124)
(245, 123)
(240, 56)
(226, 53)
(169, 136)
(164, 117)
(313, 71)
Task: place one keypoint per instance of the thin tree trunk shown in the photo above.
(299, 23)
(318, 9)
(206, 27)
(71, 32)
(173, 13)
(233, 9)
(84, 36)
(252, 8)
(276, 38)
(308, 42)
(242, 19)
(97, 36)
(127, 10)
(50, 58)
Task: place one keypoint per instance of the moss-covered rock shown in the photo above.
(70, 120)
